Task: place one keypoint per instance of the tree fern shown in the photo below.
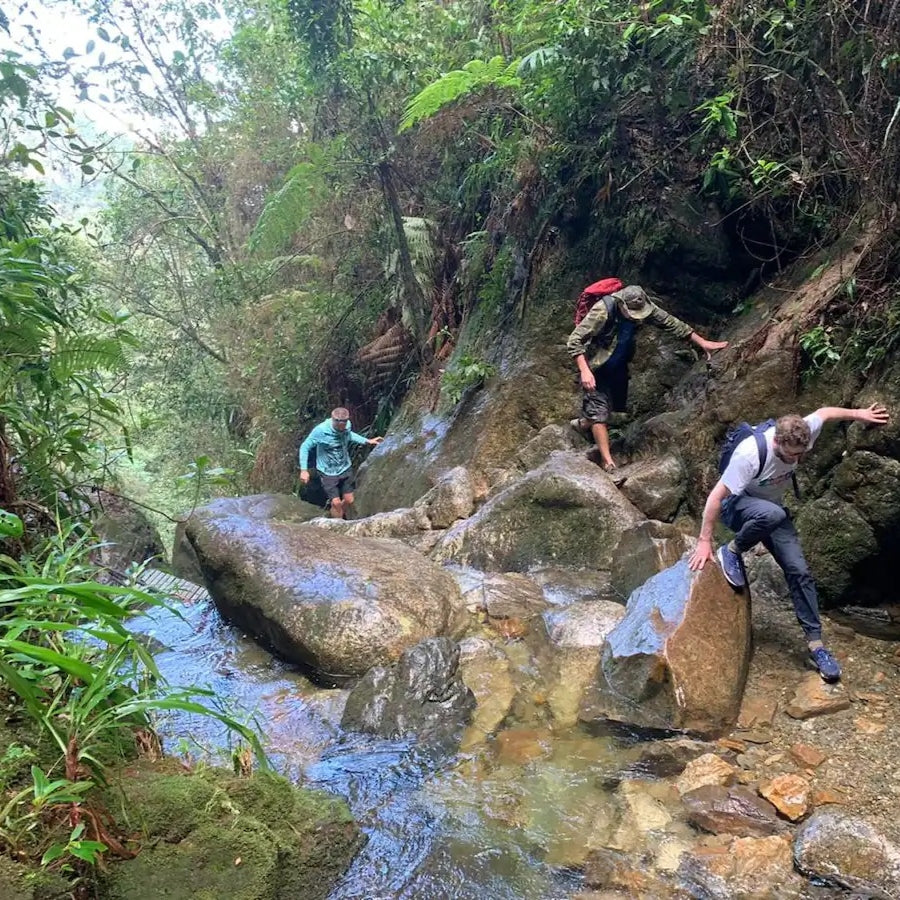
(288, 208)
(453, 85)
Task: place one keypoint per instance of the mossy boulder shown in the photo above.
(567, 512)
(837, 541)
(208, 835)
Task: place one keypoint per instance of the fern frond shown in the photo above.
(419, 236)
(453, 85)
(288, 209)
(80, 353)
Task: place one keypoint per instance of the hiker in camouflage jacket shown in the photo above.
(603, 345)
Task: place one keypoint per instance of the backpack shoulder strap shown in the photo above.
(763, 450)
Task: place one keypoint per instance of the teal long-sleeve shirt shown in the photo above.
(332, 448)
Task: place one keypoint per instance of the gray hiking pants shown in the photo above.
(754, 520)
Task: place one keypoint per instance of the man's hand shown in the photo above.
(375, 441)
(304, 476)
(703, 553)
(709, 347)
(588, 382)
(875, 414)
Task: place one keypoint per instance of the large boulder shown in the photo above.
(423, 696)
(567, 512)
(644, 551)
(679, 658)
(850, 852)
(452, 498)
(656, 486)
(838, 544)
(257, 507)
(334, 604)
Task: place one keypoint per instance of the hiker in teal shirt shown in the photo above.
(332, 439)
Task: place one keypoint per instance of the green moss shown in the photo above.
(161, 804)
(18, 882)
(210, 834)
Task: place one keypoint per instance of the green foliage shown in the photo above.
(290, 208)
(474, 75)
(466, 373)
(67, 655)
(819, 346)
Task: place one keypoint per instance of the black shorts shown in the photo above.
(338, 486)
(610, 395)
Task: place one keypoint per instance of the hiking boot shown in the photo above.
(732, 566)
(829, 668)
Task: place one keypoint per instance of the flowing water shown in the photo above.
(509, 823)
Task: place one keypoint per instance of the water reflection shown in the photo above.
(499, 823)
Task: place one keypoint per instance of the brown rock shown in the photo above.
(789, 794)
(706, 769)
(731, 744)
(518, 746)
(879, 677)
(679, 658)
(511, 629)
(825, 796)
(615, 870)
(814, 697)
(757, 712)
(867, 726)
(731, 810)
(808, 756)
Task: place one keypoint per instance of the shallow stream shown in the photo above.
(507, 819)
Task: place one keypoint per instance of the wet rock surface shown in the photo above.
(423, 696)
(334, 604)
(679, 658)
(850, 852)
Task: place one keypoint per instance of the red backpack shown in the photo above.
(592, 293)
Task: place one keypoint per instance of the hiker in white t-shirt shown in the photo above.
(749, 499)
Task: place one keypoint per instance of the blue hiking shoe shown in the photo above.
(829, 668)
(732, 567)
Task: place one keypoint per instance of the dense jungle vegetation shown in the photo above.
(320, 201)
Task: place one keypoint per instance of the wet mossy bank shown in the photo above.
(207, 834)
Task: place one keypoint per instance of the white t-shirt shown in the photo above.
(740, 475)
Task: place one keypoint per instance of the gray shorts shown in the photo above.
(610, 395)
(338, 486)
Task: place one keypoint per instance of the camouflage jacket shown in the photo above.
(596, 337)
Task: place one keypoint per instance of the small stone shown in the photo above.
(730, 744)
(706, 769)
(521, 745)
(814, 697)
(757, 712)
(871, 697)
(512, 629)
(867, 726)
(789, 794)
(755, 737)
(825, 796)
(807, 755)
(774, 758)
(879, 677)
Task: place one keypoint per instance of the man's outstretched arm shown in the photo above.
(875, 414)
